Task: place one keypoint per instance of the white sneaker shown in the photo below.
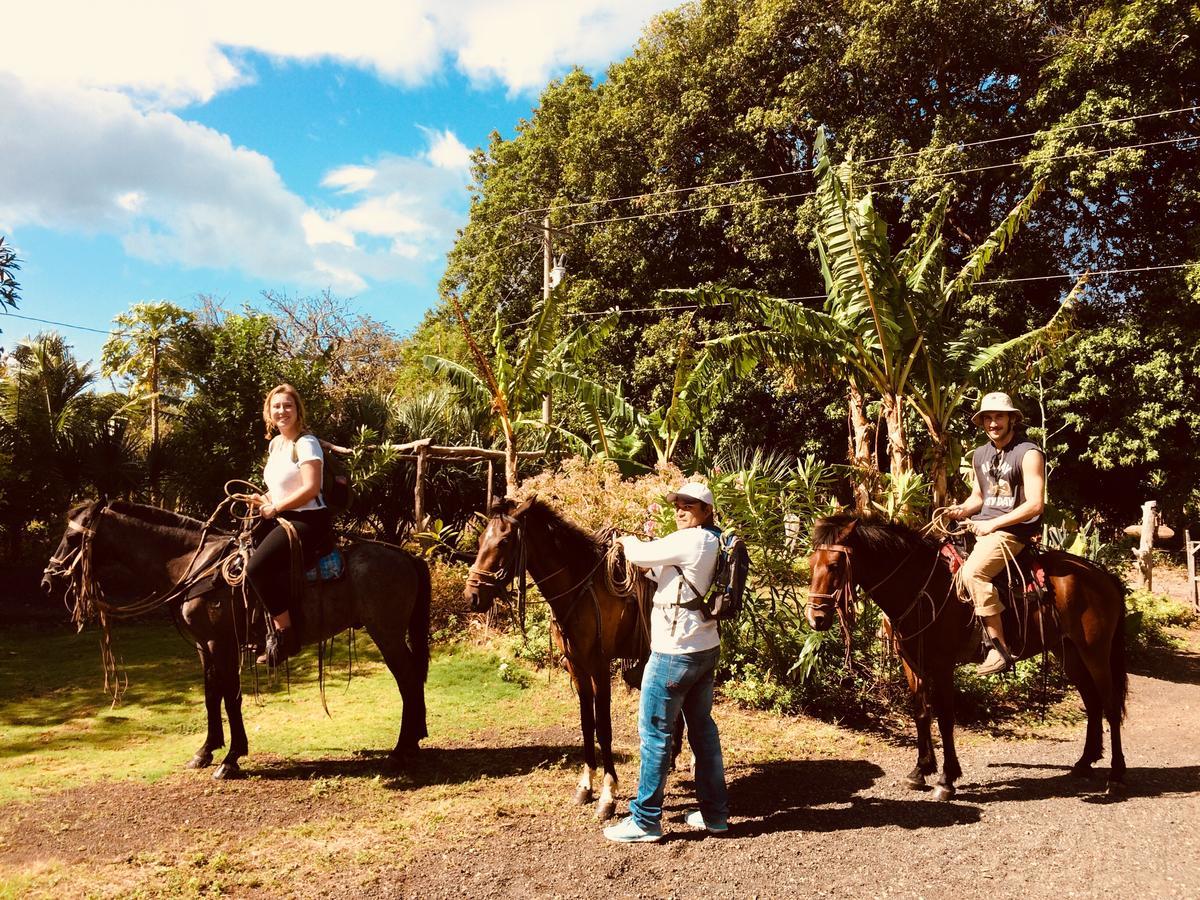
(628, 831)
(695, 820)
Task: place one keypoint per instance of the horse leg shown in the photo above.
(926, 757)
(1093, 745)
(606, 806)
(215, 736)
(230, 685)
(587, 724)
(1098, 665)
(943, 705)
(403, 665)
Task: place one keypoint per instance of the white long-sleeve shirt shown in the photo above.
(674, 630)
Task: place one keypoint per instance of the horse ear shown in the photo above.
(847, 531)
(528, 502)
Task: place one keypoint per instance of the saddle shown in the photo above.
(1024, 581)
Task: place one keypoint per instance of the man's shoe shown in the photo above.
(997, 663)
(628, 831)
(697, 821)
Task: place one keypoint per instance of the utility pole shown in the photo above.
(547, 265)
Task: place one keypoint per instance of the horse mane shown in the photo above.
(872, 534)
(153, 515)
(571, 539)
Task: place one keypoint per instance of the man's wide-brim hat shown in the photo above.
(693, 490)
(997, 401)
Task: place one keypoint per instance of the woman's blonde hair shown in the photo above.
(284, 388)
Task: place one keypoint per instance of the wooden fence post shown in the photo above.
(1193, 579)
(419, 493)
(1145, 550)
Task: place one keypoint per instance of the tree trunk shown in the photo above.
(862, 455)
(939, 476)
(154, 460)
(511, 480)
(898, 455)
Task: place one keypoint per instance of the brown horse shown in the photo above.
(594, 622)
(118, 559)
(910, 580)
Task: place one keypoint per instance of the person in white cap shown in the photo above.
(1004, 509)
(684, 646)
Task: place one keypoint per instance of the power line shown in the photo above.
(877, 159)
(964, 171)
(1090, 273)
(59, 324)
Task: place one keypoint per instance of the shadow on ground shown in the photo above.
(824, 795)
(433, 765)
(1139, 782)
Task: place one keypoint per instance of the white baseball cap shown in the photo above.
(693, 490)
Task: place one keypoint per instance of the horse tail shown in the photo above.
(1117, 662)
(418, 620)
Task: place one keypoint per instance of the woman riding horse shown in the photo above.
(293, 477)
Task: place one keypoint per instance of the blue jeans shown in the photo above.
(673, 683)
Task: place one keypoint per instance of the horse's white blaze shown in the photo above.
(586, 779)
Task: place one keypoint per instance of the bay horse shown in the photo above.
(118, 559)
(594, 621)
(909, 578)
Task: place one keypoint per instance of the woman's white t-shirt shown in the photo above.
(675, 630)
(282, 472)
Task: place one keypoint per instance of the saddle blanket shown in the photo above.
(329, 567)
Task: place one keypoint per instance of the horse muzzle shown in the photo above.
(819, 612)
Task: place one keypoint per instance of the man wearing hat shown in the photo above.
(684, 646)
(1005, 509)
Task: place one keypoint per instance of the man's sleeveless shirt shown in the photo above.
(1002, 483)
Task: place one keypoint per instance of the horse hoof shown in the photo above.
(199, 761)
(583, 796)
(1082, 770)
(942, 792)
(228, 771)
(1115, 790)
(606, 811)
(915, 782)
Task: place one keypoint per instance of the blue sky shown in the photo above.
(167, 150)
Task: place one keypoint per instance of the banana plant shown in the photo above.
(885, 324)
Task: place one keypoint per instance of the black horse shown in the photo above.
(910, 580)
(118, 559)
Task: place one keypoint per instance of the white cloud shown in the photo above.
(169, 54)
(446, 151)
(176, 192)
(349, 178)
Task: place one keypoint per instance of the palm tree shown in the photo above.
(9, 288)
(143, 349)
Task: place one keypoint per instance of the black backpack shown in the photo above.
(727, 591)
(336, 488)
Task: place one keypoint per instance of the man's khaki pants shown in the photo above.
(991, 553)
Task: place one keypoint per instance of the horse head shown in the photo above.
(59, 576)
(832, 579)
(500, 557)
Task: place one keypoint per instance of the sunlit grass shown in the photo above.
(58, 728)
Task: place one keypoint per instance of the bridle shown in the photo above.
(842, 600)
(500, 580)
